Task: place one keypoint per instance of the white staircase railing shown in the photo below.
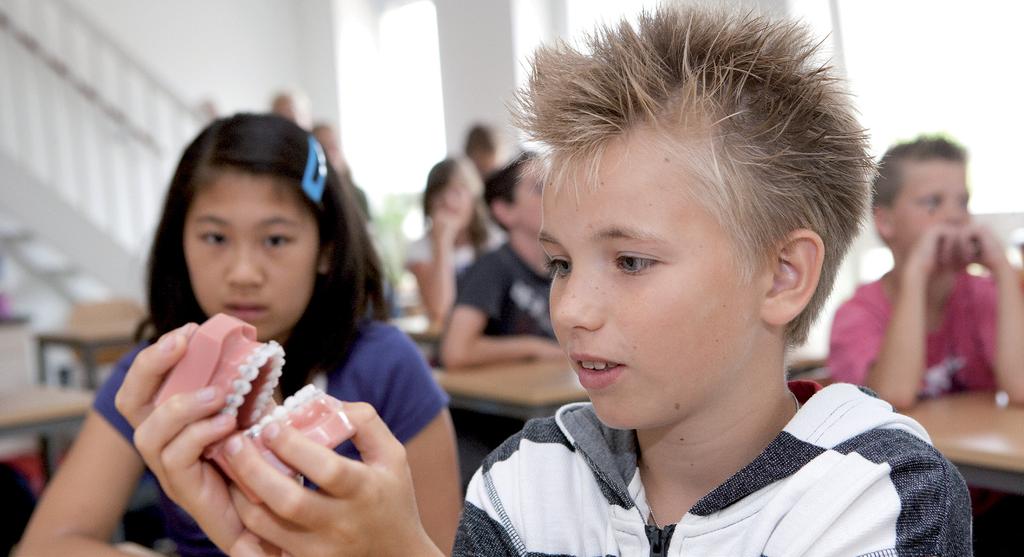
(87, 121)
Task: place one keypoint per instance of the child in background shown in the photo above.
(456, 235)
(247, 230)
(928, 328)
(501, 309)
(328, 138)
(482, 148)
(294, 105)
(705, 177)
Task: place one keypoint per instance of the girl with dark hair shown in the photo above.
(457, 234)
(258, 226)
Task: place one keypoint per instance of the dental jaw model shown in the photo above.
(224, 351)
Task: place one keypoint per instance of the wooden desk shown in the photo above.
(91, 346)
(522, 391)
(984, 441)
(43, 411)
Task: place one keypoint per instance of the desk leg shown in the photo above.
(89, 362)
(41, 361)
(47, 457)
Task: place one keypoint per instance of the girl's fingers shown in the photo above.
(248, 545)
(147, 373)
(335, 474)
(187, 448)
(372, 437)
(282, 494)
(169, 419)
(273, 530)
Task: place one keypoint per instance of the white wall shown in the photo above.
(478, 69)
(235, 52)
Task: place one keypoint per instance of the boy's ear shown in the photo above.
(502, 212)
(795, 271)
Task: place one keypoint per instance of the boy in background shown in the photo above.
(501, 308)
(928, 328)
(482, 147)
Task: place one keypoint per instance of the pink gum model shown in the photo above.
(224, 351)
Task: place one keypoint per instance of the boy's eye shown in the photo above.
(631, 264)
(212, 238)
(557, 267)
(931, 203)
(277, 241)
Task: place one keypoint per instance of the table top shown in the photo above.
(970, 429)
(540, 383)
(418, 328)
(96, 336)
(31, 405)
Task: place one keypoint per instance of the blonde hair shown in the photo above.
(775, 143)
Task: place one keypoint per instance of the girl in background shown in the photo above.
(257, 225)
(457, 234)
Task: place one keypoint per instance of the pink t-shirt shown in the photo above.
(959, 353)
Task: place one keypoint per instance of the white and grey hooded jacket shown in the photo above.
(846, 477)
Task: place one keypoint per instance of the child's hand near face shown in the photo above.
(986, 249)
(171, 438)
(362, 508)
(451, 213)
(951, 248)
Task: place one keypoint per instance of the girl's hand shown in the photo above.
(452, 212)
(362, 508)
(171, 439)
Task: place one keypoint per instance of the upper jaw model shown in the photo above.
(224, 351)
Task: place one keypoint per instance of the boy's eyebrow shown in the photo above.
(617, 232)
(544, 236)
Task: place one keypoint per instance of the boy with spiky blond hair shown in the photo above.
(705, 176)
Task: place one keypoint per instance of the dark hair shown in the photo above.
(438, 178)
(350, 291)
(889, 180)
(480, 138)
(501, 185)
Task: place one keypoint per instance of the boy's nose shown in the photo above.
(576, 306)
(956, 214)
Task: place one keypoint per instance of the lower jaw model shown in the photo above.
(224, 351)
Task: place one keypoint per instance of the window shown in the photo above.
(392, 109)
(920, 66)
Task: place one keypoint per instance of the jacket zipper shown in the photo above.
(659, 539)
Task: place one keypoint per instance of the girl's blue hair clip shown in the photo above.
(315, 176)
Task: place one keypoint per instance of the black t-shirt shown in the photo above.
(512, 296)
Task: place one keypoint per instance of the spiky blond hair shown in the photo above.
(773, 139)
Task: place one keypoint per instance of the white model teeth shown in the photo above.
(241, 387)
(303, 396)
(248, 372)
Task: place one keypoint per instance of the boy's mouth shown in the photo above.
(597, 365)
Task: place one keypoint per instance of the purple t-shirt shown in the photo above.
(959, 354)
(384, 369)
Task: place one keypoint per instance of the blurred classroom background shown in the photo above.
(98, 97)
